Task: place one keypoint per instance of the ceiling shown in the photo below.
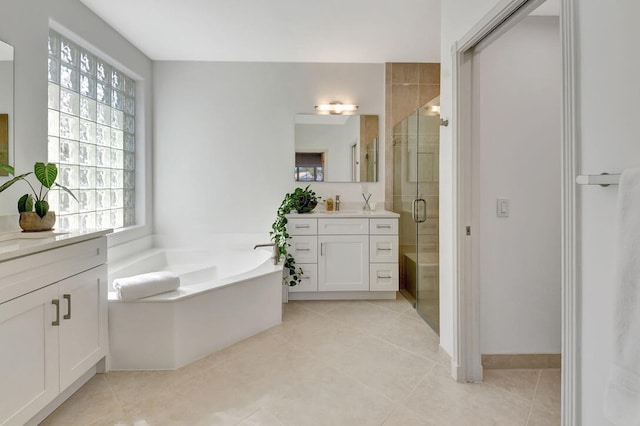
(356, 31)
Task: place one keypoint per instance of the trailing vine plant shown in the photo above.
(302, 201)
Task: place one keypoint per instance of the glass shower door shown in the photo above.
(426, 213)
(416, 199)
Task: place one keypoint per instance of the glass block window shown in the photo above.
(91, 138)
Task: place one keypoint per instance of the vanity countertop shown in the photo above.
(323, 214)
(18, 244)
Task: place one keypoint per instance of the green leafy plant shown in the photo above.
(46, 175)
(302, 201)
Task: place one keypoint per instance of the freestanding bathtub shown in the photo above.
(228, 292)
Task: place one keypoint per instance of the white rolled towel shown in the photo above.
(145, 285)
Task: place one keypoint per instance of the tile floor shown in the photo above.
(329, 363)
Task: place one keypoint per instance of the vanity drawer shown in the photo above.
(20, 276)
(384, 226)
(343, 226)
(302, 226)
(304, 248)
(383, 248)
(383, 277)
(309, 278)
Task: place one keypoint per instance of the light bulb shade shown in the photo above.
(335, 108)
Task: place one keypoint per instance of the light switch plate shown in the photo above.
(502, 207)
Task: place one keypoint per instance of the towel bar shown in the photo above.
(605, 179)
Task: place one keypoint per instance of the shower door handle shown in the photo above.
(416, 211)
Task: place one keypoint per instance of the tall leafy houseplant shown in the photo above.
(46, 175)
(302, 201)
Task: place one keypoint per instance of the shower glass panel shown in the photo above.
(416, 198)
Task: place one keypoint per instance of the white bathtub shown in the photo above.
(228, 292)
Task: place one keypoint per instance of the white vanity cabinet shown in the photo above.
(53, 322)
(345, 255)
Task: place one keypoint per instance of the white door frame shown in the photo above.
(466, 357)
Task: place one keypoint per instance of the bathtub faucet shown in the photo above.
(276, 251)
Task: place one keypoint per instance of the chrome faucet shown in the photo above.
(276, 251)
(337, 203)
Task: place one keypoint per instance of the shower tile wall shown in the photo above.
(409, 86)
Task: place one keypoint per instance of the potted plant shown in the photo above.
(302, 201)
(34, 208)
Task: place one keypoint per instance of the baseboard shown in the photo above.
(524, 361)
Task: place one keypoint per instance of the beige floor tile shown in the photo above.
(322, 306)
(262, 417)
(385, 367)
(325, 340)
(217, 397)
(412, 334)
(262, 343)
(545, 410)
(439, 400)
(399, 304)
(363, 316)
(329, 363)
(324, 396)
(402, 416)
(520, 382)
(133, 387)
(93, 404)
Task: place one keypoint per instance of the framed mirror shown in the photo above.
(336, 148)
(6, 105)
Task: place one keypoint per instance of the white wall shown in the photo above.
(458, 17)
(608, 76)
(25, 25)
(519, 139)
(227, 131)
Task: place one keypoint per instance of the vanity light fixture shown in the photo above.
(336, 108)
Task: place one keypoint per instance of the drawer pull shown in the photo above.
(302, 226)
(381, 226)
(67, 297)
(384, 249)
(303, 249)
(384, 276)
(56, 303)
(305, 278)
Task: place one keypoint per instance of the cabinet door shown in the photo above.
(83, 323)
(343, 263)
(28, 355)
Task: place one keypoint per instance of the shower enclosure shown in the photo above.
(416, 144)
